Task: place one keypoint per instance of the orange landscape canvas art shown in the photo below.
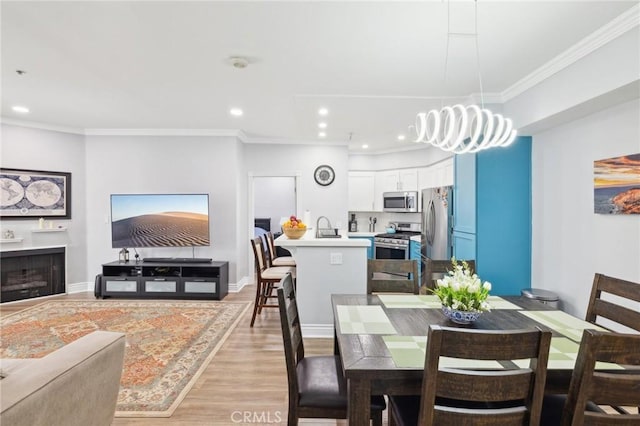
(617, 185)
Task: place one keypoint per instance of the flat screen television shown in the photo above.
(159, 220)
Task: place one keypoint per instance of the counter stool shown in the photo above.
(545, 296)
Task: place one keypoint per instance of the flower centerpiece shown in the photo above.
(463, 294)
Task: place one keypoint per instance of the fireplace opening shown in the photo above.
(32, 273)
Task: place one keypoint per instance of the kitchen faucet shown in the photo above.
(320, 234)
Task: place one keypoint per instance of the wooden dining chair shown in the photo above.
(274, 259)
(610, 308)
(436, 269)
(478, 396)
(317, 388)
(590, 389)
(266, 279)
(392, 276)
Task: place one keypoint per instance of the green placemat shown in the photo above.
(409, 352)
(431, 301)
(562, 322)
(363, 320)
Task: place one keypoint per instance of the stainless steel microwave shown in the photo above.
(404, 202)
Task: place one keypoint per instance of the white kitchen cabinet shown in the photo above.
(361, 191)
(398, 180)
(439, 174)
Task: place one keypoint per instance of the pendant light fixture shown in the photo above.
(464, 128)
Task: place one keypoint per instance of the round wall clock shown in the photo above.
(324, 175)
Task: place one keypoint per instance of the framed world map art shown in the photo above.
(34, 194)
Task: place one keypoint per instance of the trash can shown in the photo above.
(545, 296)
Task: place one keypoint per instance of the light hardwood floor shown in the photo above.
(245, 383)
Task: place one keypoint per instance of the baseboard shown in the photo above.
(319, 331)
(79, 287)
(236, 287)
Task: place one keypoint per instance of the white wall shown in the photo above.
(35, 149)
(165, 164)
(289, 160)
(274, 197)
(424, 156)
(570, 242)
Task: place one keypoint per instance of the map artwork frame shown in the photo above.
(32, 194)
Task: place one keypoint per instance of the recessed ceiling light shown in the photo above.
(237, 112)
(365, 146)
(323, 111)
(322, 135)
(21, 109)
(401, 137)
(322, 125)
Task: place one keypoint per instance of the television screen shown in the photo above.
(159, 220)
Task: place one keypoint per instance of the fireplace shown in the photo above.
(32, 273)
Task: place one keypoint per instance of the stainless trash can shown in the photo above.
(544, 296)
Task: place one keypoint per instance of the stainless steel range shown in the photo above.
(396, 245)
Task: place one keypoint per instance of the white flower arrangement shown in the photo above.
(462, 290)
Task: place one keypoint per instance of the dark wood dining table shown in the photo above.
(370, 369)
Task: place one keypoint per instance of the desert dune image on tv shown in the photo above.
(151, 220)
(616, 184)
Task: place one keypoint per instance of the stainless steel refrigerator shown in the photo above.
(437, 223)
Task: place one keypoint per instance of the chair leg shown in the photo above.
(391, 418)
(256, 304)
(376, 418)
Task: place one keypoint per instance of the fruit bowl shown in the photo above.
(294, 233)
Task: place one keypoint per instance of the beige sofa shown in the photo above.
(76, 385)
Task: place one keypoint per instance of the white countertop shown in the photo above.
(363, 234)
(309, 240)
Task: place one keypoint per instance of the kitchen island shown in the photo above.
(325, 266)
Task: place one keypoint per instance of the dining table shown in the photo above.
(381, 342)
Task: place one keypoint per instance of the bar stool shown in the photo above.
(545, 296)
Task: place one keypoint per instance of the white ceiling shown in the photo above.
(164, 65)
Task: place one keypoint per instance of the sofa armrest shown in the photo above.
(76, 385)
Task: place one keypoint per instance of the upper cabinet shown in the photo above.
(361, 191)
(439, 174)
(397, 180)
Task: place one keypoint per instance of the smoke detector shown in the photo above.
(238, 62)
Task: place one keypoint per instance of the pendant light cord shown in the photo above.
(446, 57)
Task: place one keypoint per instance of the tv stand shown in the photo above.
(177, 260)
(169, 280)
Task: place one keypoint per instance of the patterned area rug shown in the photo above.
(168, 344)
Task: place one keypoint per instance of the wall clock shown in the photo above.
(324, 175)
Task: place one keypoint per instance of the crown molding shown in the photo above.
(280, 141)
(163, 132)
(41, 126)
(608, 32)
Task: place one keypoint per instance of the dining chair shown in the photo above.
(266, 279)
(274, 259)
(481, 395)
(590, 389)
(317, 387)
(392, 276)
(436, 269)
(609, 308)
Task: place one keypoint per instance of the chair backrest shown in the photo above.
(609, 308)
(603, 388)
(271, 247)
(392, 276)
(436, 269)
(518, 391)
(259, 255)
(291, 333)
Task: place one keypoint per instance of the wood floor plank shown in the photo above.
(244, 384)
